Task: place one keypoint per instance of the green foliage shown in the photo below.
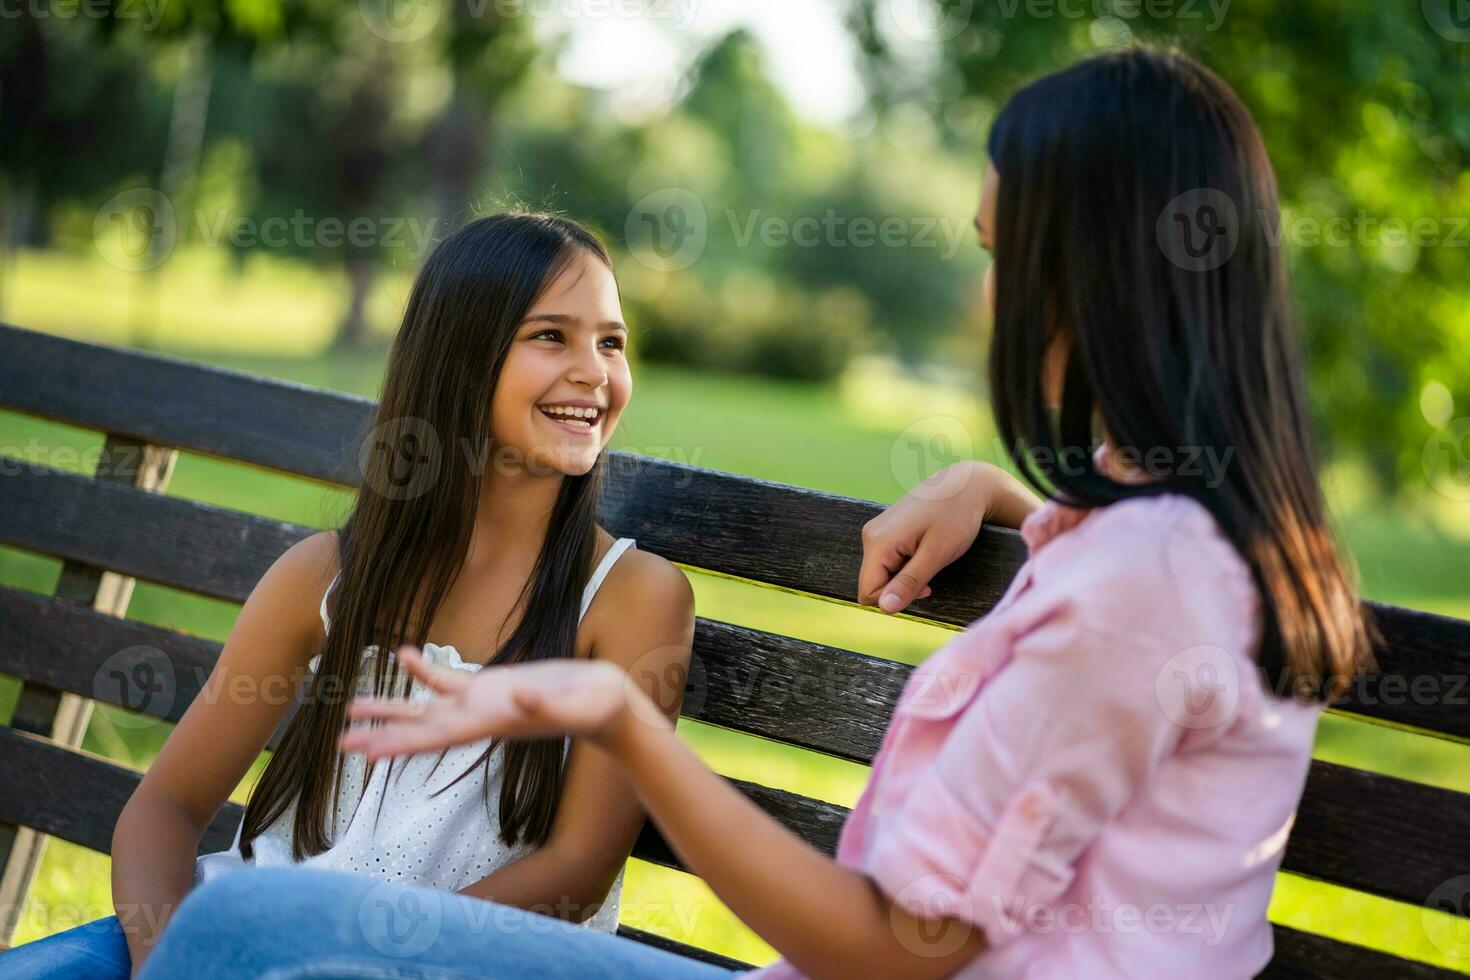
(312, 112)
(1364, 109)
(750, 324)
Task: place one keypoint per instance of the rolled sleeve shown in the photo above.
(1054, 746)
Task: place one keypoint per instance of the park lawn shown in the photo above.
(858, 437)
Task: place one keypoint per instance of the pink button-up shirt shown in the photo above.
(1093, 773)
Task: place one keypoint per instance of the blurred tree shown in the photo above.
(1366, 113)
(487, 56)
(383, 107)
(87, 111)
(76, 113)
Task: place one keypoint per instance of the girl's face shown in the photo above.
(1054, 361)
(565, 380)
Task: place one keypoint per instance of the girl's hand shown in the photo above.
(591, 698)
(932, 525)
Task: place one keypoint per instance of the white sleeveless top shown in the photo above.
(446, 842)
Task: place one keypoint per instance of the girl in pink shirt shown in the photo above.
(1098, 777)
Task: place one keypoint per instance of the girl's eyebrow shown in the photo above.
(566, 319)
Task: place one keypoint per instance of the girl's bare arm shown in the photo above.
(829, 920)
(157, 836)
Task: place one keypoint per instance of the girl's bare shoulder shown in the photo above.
(292, 588)
(643, 592)
(645, 577)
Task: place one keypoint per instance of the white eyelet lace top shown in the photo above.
(446, 842)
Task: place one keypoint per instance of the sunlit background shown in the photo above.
(787, 188)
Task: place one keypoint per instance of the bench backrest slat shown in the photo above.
(221, 553)
(798, 692)
(1366, 831)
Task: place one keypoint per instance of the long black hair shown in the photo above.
(1136, 222)
(406, 538)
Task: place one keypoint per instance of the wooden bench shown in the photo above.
(1367, 832)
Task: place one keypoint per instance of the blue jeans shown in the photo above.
(95, 949)
(304, 922)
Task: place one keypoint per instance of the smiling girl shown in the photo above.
(1098, 777)
(475, 538)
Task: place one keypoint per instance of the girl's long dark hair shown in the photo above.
(1137, 218)
(411, 524)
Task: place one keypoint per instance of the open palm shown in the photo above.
(548, 697)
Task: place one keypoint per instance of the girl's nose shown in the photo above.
(587, 369)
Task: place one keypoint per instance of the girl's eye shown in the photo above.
(546, 334)
(616, 342)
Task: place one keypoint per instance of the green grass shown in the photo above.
(867, 437)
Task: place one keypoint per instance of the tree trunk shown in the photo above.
(362, 272)
(180, 164)
(17, 213)
(457, 156)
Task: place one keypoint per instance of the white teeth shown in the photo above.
(572, 415)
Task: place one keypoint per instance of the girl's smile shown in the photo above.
(583, 418)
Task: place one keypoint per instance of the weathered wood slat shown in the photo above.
(311, 431)
(814, 821)
(175, 542)
(683, 949)
(799, 693)
(78, 797)
(1424, 673)
(222, 553)
(1419, 833)
(47, 711)
(1378, 834)
(1304, 956)
(144, 668)
(785, 536)
(168, 401)
(1299, 956)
